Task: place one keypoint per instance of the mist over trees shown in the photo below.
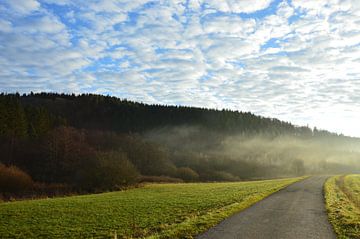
(93, 142)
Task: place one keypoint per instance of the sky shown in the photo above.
(295, 60)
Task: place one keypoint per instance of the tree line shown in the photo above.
(94, 143)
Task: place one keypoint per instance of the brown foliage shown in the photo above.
(14, 180)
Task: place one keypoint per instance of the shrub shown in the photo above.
(113, 170)
(14, 180)
(187, 174)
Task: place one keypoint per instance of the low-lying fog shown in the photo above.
(259, 155)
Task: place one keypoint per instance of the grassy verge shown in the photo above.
(154, 211)
(342, 194)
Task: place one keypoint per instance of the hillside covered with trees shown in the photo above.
(94, 143)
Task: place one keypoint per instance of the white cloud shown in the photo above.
(23, 6)
(5, 26)
(46, 24)
(236, 6)
(248, 6)
(230, 26)
(58, 2)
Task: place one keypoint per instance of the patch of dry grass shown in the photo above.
(342, 194)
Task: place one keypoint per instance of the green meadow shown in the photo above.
(152, 211)
(342, 195)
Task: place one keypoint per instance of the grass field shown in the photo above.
(342, 195)
(153, 211)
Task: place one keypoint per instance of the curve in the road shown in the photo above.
(296, 212)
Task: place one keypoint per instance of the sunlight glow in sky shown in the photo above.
(296, 60)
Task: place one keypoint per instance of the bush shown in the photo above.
(14, 180)
(113, 170)
(187, 174)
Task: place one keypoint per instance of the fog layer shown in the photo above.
(246, 156)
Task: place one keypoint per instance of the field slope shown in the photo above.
(343, 204)
(153, 211)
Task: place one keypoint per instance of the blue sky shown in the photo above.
(296, 60)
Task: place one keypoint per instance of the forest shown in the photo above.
(55, 143)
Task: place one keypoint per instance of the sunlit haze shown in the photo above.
(296, 60)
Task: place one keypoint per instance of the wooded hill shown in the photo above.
(97, 142)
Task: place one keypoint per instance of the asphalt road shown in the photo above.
(295, 212)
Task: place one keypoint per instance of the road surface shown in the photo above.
(295, 212)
